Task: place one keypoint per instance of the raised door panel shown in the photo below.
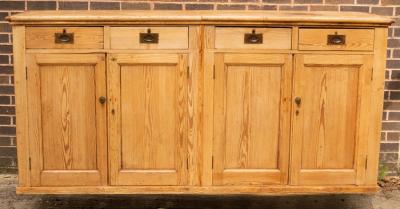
(332, 97)
(251, 119)
(149, 122)
(67, 126)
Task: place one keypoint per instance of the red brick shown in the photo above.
(6, 161)
(5, 27)
(339, 1)
(293, 8)
(243, 1)
(354, 8)
(41, 5)
(394, 95)
(391, 105)
(5, 99)
(213, 0)
(231, 7)
(388, 157)
(165, 6)
(4, 59)
(308, 1)
(262, 7)
(393, 64)
(367, 1)
(324, 8)
(104, 5)
(4, 38)
(394, 115)
(199, 7)
(393, 136)
(135, 5)
(388, 11)
(73, 5)
(396, 53)
(390, 2)
(12, 5)
(389, 147)
(7, 49)
(277, 1)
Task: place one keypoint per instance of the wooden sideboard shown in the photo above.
(208, 102)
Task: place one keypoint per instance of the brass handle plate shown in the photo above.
(64, 38)
(336, 39)
(253, 38)
(148, 38)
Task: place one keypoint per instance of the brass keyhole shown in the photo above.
(297, 100)
(102, 100)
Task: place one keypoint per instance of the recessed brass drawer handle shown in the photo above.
(148, 38)
(64, 37)
(253, 38)
(336, 39)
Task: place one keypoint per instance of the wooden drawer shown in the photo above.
(149, 37)
(252, 38)
(336, 39)
(64, 37)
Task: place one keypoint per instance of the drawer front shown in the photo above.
(336, 39)
(252, 38)
(149, 37)
(64, 37)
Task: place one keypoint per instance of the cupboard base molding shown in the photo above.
(220, 190)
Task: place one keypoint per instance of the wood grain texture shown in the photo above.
(21, 104)
(152, 119)
(329, 124)
(84, 37)
(233, 38)
(208, 106)
(169, 37)
(378, 80)
(317, 39)
(201, 112)
(195, 102)
(205, 17)
(67, 134)
(250, 146)
(219, 190)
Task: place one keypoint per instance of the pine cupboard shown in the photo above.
(207, 102)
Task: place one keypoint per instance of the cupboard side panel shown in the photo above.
(378, 79)
(21, 105)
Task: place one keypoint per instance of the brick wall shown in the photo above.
(391, 125)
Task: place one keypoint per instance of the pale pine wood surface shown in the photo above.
(169, 37)
(205, 17)
(248, 139)
(67, 134)
(233, 38)
(84, 37)
(152, 141)
(21, 102)
(328, 124)
(199, 112)
(316, 39)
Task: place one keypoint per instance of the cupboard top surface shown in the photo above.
(196, 17)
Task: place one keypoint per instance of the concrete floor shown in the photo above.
(9, 200)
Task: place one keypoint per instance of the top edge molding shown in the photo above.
(194, 17)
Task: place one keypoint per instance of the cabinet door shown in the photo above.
(148, 119)
(251, 119)
(330, 119)
(67, 124)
